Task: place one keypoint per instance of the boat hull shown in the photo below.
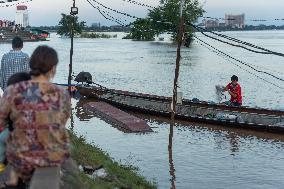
(242, 117)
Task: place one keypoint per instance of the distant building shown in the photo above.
(96, 25)
(116, 28)
(222, 25)
(22, 16)
(235, 21)
(211, 23)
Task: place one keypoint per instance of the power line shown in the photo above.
(11, 4)
(103, 14)
(246, 64)
(116, 11)
(138, 3)
(266, 51)
(225, 56)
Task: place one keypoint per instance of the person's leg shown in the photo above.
(12, 180)
(3, 137)
(236, 104)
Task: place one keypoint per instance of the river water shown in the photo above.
(202, 156)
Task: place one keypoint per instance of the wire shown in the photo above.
(140, 4)
(202, 30)
(103, 14)
(246, 64)
(10, 4)
(119, 12)
(225, 56)
(128, 15)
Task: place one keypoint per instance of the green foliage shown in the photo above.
(97, 35)
(67, 22)
(142, 30)
(166, 18)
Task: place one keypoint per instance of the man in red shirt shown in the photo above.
(234, 89)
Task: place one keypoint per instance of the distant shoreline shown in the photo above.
(248, 28)
(127, 29)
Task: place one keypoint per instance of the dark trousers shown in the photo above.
(235, 104)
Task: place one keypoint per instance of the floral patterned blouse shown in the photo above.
(39, 112)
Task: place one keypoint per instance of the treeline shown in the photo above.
(248, 28)
(88, 28)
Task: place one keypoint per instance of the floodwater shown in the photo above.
(200, 156)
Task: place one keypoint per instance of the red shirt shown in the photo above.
(236, 90)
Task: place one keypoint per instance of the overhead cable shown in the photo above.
(140, 4)
(119, 12)
(244, 63)
(111, 18)
(12, 4)
(103, 14)
(266, 51)
(224, 55)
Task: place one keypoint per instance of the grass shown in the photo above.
(120, 176)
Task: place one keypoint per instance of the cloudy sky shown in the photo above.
(47, 12)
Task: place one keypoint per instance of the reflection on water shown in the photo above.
(199, 155)
(171, 161)
(205, 156)
(233, 138)
(81, 113)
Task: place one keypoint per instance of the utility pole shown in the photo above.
(74, 11)
(174, 98)
(179, 40)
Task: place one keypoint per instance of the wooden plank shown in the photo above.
(46, 178)
(119, 117)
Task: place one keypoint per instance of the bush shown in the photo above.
(97, 35)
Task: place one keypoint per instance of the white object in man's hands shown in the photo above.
(220, 96)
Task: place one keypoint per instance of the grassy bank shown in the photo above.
(120, 177)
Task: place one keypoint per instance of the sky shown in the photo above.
(47, 12)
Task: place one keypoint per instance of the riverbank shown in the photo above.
(119, 176)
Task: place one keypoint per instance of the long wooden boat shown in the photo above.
(201, 111)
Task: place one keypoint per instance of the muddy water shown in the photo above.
(200, 156)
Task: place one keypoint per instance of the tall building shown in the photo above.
(22, 16)
(235, 21)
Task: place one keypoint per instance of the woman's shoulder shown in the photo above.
(32, 86)
(52, 88)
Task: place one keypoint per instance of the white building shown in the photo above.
(22, 16)
(235, 21)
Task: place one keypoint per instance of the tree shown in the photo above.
(70, 26)
(67, 22)
(165, 18)
(141, 30)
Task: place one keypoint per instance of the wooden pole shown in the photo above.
(174, 98)
(71, 61)
(179, 40)
(71, 52)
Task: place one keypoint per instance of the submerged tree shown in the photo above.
(68, 22)
(141, 30)
(165, 18)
